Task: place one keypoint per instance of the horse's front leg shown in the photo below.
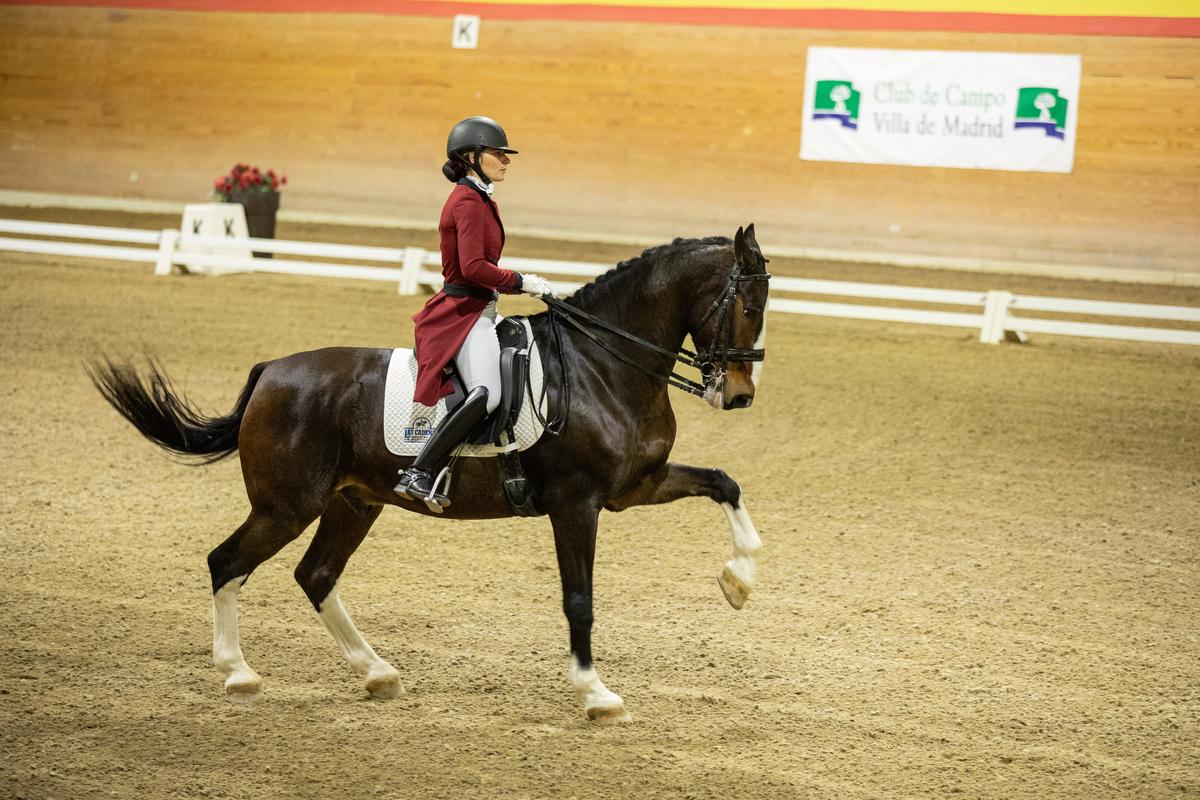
(673, 481)
(575, 544)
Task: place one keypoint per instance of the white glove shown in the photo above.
(536, 285)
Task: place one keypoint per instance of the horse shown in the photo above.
(308, 430)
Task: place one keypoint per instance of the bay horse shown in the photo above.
(309, 432)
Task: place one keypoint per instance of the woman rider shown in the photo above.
(459, 323)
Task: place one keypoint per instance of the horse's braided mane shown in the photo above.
(649, 256)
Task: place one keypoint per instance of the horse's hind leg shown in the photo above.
(674, 481)
(341, 531)
(230, 564)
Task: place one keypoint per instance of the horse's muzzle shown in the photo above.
(739, 401)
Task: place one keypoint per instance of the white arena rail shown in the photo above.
(875, 291)
(992, 311)
(65, 231)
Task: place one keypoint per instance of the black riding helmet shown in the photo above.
(474, 134)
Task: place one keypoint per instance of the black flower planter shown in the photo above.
(261, 208)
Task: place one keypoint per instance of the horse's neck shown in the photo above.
(647, 303)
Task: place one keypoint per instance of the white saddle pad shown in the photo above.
(407, 425)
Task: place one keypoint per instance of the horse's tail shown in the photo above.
(164, 416)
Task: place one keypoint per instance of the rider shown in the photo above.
(459, 322)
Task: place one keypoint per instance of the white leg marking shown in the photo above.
(739, 574)
(759, 343)
(598, 701)
(242, 684)
(383, 680)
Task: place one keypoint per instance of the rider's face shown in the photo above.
(495, 164)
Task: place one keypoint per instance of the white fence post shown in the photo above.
(166, 251)
(414, 257)
(995, 313)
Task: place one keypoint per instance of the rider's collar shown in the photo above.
(479, 185)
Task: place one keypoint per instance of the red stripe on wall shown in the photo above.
(757, 17)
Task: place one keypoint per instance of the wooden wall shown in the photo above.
(626, 129)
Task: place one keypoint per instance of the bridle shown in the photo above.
(719, 352)
(710, 363)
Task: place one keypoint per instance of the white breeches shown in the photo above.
(478, 360)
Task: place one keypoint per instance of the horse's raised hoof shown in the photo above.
(736, 592)
(385, 685)
(243, 690)
(609, 715)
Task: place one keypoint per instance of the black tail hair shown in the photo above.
(164, 416)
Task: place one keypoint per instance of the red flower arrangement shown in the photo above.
(244, 179)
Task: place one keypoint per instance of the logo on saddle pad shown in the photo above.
(1039, 107)
(419, 431)
(837, 100)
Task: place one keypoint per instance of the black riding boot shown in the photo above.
(417, 481)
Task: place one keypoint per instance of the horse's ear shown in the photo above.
(741, 251)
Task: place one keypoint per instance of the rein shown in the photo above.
(718, 352)
(576, 319)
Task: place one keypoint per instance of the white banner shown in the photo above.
(927, 108)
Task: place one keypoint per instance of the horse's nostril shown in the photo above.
(740, 401)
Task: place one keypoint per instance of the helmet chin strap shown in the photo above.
(478, 166)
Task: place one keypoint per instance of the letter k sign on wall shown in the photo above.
(466, 32)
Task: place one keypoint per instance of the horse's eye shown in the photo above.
(748, 312)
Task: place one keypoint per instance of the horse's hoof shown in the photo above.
(736, 592)
(385, 685)
(242, 690)
(609, 715)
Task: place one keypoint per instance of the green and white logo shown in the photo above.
(1041, 107)
(837, 100)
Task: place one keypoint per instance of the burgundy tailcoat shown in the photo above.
(472, 239)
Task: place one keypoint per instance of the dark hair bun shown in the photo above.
(454, 170)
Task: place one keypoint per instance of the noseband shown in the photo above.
(711, 364)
